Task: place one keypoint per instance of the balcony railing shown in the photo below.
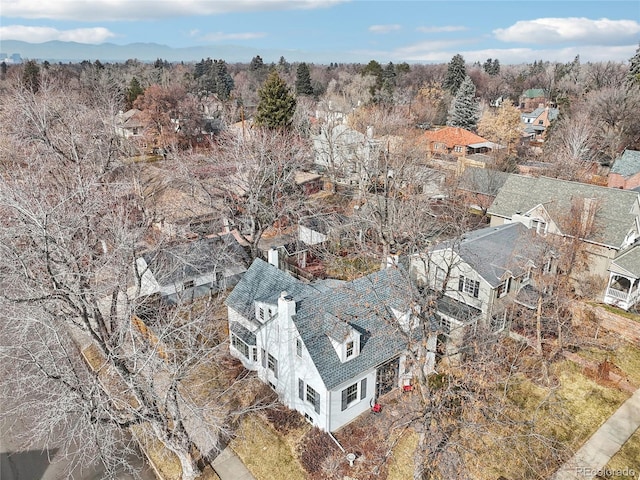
(617, 294)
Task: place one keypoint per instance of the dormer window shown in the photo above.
(344, 338)
(350, 349)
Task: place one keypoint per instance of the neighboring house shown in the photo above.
(479, 187)
(535, 123)
(483, 272)
(308, 182)
(129, 123)
(625, 172)
(193, 269)
(317, 229)
(623, 288)
(607, 220)
(345, 153)
(455, 141)
(532, 99)
(329, 349)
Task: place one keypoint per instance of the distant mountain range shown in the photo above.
(56, 51)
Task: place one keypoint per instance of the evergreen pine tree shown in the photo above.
(303, 80)
(456, 72)
(133, 92)
(277, 105)
(464, 108)
(634, 68)
(31, 76)
(223, 81)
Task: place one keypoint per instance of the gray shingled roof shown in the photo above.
(628, 164)
(264, 282)
(200, 257)
(613, 219)
(492, 251)
(629, 260)
(363, 304)
(482, 180)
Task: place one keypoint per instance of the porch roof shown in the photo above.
(627, 263)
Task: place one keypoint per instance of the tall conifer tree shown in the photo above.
(277, 105)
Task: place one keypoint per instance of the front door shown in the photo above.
(387, 377)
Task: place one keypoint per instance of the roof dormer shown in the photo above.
(264, 311)
(344, 338)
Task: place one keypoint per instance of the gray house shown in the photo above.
(479, 276)
(193, 269)
(329, 349)
(606, 220)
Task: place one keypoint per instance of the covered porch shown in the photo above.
(623, 288)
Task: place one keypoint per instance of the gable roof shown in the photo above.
(482, 180)
(365, 305)
(324, 309)
(196, 258)
(452, 136)
(614, 217)
(261, 282)
(492, 251)
(627, 164)
(629, 261)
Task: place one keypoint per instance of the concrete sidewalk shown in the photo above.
(604, 443)
(229, 467)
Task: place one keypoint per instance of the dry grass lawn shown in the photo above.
(627, 460)
(267, 455)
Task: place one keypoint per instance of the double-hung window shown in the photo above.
(503, 288)
(352, 393)
(467, 285)
(306, 392)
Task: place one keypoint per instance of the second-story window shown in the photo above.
(349, 349)
(467, 285)
(503, 288)
(298, 347)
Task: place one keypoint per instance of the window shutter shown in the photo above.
(363, 388)
(275, 367)
(460, 283)
(344, 399)
(316, 402)
(264, 358)
(301, 389)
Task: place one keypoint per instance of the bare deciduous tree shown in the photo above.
(90, 361)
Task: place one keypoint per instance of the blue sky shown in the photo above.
(513, 31)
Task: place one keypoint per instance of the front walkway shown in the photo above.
(228, 466)
(594, 455)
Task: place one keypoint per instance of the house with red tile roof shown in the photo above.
(456, 141)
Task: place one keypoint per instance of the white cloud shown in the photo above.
(44, 34)
(147, 9)
(545, 31)
(221, 36)
(443, 29)
(516, 55)
(385, 28)
(428, 46)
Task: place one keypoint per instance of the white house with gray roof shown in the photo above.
(329, 349)
(610, 217)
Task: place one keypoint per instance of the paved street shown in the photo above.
(19, 464)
